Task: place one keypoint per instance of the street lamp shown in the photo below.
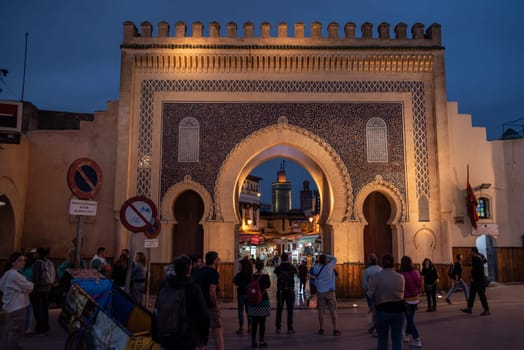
(311, 224)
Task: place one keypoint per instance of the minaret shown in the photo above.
(281, 192)
(306, 197)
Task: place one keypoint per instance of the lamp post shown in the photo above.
(310, 224)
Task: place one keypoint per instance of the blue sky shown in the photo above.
(74, 46)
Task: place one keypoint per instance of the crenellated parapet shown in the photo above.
(331, 35)
(179, 48)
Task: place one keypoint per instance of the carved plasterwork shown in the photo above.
(399, 208)
(317, 149)
(174, 191)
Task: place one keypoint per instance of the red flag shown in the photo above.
(472, 204)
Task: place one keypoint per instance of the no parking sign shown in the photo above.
(84, 178)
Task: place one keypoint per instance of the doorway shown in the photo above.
(7, 227)
(377, 233)
(188, 233)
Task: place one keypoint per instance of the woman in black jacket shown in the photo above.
(430, 284)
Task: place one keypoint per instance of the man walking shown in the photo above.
(324, 274)
(386, 288)
(478, 283)
(40, 295)
(368, 272)
(456, 275)
(207, 277)
(285, 292)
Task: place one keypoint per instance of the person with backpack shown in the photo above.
(258, 304)
(44, 276)
(241, 280)
(455, 273)
(324, 274)
(285, 292)
(181, 318)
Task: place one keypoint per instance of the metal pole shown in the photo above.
(25, 64)
(130, 262)
(148, 277)
(78, 241)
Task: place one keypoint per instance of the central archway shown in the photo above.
(287, 141)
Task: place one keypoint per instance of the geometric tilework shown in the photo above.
(415, 88)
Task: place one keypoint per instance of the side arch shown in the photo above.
(166, 208)
(325, 158)
(398, 208)
(9, 190)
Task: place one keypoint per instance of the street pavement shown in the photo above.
(445, 329)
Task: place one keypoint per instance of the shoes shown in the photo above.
(416, 343)
(239, 331)
(336, 333)
(375, 334)
(290, 331)
(466, 310)
(448, 301)
(254, 345)
(262, 344)
(406, 338)
(321, 331)
(485, 313)
(278, 330)
(41, 334)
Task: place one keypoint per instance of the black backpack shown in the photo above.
(172, 325)
(286, 279)
(451, 271)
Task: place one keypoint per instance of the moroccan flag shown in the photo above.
(472, 204)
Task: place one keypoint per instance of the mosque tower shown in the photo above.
(281, 192)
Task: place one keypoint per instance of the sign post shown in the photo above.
(84, 178)
(138, 214)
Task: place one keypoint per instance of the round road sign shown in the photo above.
(154, 230)
(138, 214)
(84, 178)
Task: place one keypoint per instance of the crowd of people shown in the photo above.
(31, 281)
(187, 313)
(393, 296)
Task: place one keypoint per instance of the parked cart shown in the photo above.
(98, 315)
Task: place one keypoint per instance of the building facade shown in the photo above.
(364, 113)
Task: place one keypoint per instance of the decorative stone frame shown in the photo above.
(166, 208)
(318, 150)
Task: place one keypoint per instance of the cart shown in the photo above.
(99, 316)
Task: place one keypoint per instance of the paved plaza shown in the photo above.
(448, 328)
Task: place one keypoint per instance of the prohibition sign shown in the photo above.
(84, 178)
(138, 214)
(154, 230)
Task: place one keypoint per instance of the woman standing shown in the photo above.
(241, 280)
(15, 289)
(411, 292)
(430, 284)
(138, 277)
(259, 312)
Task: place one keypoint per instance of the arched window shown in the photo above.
(377, 140)
(188, 140)
(483, 209)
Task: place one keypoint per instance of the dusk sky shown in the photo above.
(73, 61)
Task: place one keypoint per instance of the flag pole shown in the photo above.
(25, 65)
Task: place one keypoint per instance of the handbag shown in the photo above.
(312, 302)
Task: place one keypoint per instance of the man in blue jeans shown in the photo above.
(386, 288)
